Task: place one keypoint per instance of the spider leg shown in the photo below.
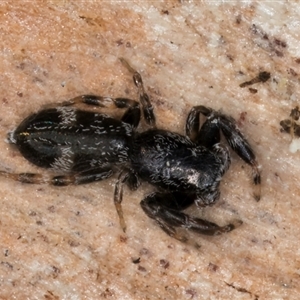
(192, 125)
(209, 135)
(82, 177)
(164, 210)
(131, 116)
(130, 178)
(241, 146)
(143, 96)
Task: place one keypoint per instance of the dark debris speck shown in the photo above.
(264, 76)
(51, 208)
(212, 267)
(73, 243)
(292, 72)
(280, 43)
(252, 90)
(123, 239)
(290, 124)
(164, 263)
(144, 251)
(142, 269)
(242, 290)
(238, 19)
(136, 260)
(261, 77)
(7, 264)
(191, 292)
(297, 60)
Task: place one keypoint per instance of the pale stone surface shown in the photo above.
(66, 243)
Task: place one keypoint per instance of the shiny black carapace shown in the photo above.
(83, 146)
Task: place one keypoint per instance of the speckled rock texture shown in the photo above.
(66, 243)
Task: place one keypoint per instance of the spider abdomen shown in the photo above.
(67, 139)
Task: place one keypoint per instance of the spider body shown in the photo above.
(82, 146)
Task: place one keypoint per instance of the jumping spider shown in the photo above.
(84, 146)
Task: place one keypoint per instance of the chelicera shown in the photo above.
(82, 147)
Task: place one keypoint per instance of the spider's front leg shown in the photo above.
(164, 209)
(209, 134)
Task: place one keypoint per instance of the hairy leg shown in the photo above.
(158, 206)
